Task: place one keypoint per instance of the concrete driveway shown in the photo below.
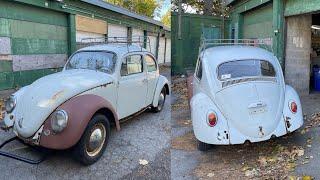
(293, 156)
(145, 137)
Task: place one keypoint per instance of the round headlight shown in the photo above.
(59, 120)
(10, 104)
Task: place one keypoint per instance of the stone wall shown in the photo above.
(298, 47)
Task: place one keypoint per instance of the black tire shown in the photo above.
(204, 146)
(81, 152)
(160, 107)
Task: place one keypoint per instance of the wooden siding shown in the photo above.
(91, 25)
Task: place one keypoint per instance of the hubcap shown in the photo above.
(96, 140)
(161, 101)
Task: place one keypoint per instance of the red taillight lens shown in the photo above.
(293, 107)
(212, 119)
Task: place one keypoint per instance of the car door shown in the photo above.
(132, 88)
(152, 77)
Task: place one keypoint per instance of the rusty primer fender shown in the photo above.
(80, 110)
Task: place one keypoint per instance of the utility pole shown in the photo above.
(179, 18)
(223, 20)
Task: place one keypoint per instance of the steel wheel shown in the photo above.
(161, 101)
(96, 140)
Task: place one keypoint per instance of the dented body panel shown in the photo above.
(248, 108)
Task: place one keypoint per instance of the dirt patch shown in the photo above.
(184, 122)
(179, 87)
(164, 68)
(266, 160)
(186, 142)
(2, 109)
(313, 121)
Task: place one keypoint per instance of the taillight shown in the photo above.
(212, 119)
(293, 107)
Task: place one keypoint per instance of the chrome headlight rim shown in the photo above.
(55, 126)
(12, 101)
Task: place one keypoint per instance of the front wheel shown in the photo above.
(161, 101)
(94, 140)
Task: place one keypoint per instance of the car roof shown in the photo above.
(220, 54)
(119, 49)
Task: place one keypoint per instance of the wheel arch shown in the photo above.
(162, 83)
(80, 111)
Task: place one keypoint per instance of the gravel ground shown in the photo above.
(293, 156)
(145, 137)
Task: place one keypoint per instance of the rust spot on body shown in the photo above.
(55, 96)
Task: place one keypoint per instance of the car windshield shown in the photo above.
(245, 68)
(93, 60)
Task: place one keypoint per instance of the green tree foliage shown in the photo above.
(148, 8)
(205, 7)
(166, 18)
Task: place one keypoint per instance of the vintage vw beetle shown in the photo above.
(239, 95)
(99, 85)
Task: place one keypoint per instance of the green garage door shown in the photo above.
(258, 23)
(34, 43)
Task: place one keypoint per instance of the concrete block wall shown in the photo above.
(298, 48)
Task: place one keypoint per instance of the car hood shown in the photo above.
(42, 97)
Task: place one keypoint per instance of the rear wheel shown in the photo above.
(161, 101)
(204, 146)
(94, 140)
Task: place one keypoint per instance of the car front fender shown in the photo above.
(80, 110)
(200, 105)
(293, 120)
(162, 82)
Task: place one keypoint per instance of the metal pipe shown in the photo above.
(179, 19)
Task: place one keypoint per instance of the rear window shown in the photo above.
(245, 68)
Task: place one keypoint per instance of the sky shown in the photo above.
(166, 5)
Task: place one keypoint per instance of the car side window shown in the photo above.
(132, 65)
(151, 63)
(199, 70)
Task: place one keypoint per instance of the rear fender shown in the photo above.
(80, 110)
(162, 82)
(293, 120)
(200, 105)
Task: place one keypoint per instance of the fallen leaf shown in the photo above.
(210, 174)
(307, 178)
(251, 173)
(143, 162)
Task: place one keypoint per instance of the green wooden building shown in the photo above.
(37, 36)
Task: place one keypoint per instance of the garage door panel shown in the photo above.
(161, 52)
(40, 61)
(168, 53)
(258, 23)
(37, 30)
(18, 11)
(153, 44)
(82, 36)
(38, 46)
(117, 30)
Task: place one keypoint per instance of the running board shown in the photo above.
(17, 157)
